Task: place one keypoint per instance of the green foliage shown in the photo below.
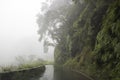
(89, 38)
(106, 52)
(94, 42)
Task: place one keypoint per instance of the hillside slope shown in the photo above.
(92, 44)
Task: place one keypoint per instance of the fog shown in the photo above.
(18, 30)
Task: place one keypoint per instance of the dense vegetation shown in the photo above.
(86, 36)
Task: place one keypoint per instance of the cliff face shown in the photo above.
(86, 36)
(91, 41)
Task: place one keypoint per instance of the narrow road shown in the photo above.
(52, 73)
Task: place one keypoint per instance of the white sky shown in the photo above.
(18, 29)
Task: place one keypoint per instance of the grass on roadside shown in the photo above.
(9, 68)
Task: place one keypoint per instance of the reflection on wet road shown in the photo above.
(49, 73)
